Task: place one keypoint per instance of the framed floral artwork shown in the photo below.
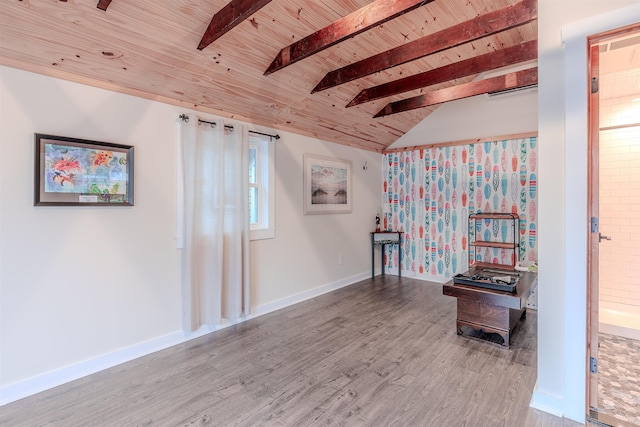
(78, 172)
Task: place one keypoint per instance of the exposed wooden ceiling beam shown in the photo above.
(103, 4)
(228, 17)
(361, 20)
(474, 29)
(514, 80)
(478, 64)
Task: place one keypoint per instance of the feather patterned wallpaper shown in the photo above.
(429, 194)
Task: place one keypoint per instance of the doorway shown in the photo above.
(614, 252)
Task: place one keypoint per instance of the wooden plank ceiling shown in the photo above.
(355, 72)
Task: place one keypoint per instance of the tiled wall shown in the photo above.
(428, 194)
(620, 201)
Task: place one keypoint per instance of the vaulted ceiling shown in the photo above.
(354, 72)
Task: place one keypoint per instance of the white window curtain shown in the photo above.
(213, 221)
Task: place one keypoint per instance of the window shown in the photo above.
(261, 187)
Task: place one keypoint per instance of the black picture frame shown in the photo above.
(80, 172)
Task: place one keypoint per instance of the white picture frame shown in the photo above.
(327, 185)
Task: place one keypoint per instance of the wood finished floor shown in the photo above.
(381, 352)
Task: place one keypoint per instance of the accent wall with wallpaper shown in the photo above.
(429, 193)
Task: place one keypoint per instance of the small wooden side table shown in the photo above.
(483, 313)
(384, 238)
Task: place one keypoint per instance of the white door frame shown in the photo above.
(576, 219)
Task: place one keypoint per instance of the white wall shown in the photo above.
(80, 282)
(562, 29)
(479, 116)
(83, 288)
(304, 254)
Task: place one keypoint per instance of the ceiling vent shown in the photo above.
(529, 88)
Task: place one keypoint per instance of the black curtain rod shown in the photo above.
(276, 136)
(214, 124)
(185, 118)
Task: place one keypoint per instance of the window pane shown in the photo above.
(253, 205)
(252, 164)
(261, 187)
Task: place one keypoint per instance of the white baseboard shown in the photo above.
(546, 402)
(418, 276)
(306, 295)
(16, 391)
(430, 278)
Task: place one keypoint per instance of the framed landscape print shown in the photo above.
(78, 172)
(327, 185)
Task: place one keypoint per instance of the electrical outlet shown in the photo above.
(340, 259)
